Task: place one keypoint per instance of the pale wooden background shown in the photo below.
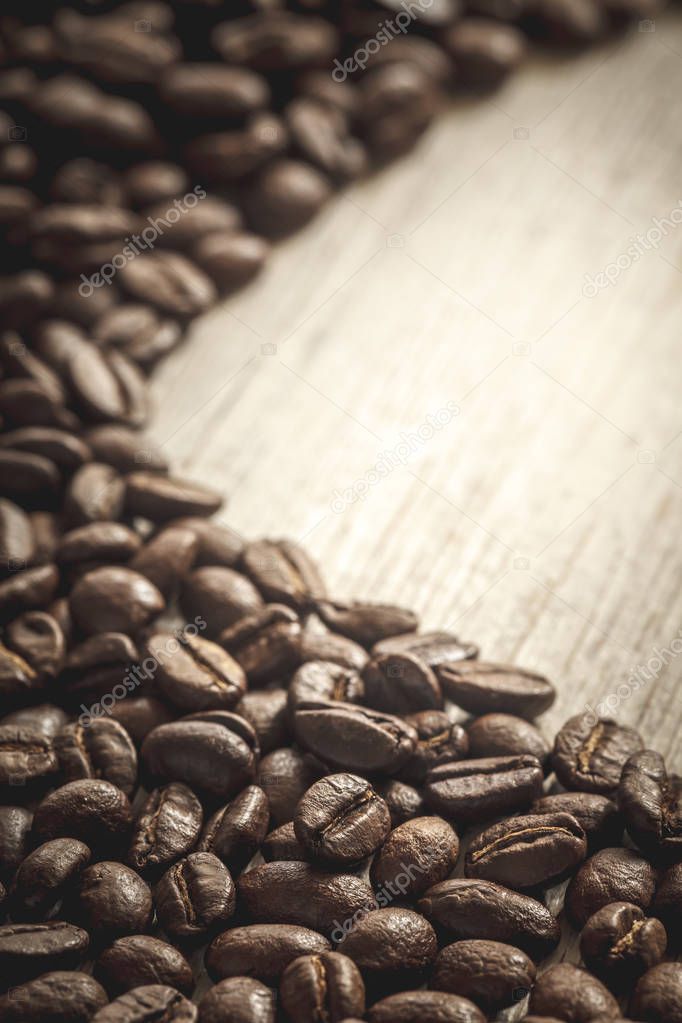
(544, 520)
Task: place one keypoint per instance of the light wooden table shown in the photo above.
(541, 515)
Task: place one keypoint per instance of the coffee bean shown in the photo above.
(484, 51)
(240, 999)
(598, 816)
(139, 959)
(112, 900)
(45, 876)
(267, 712)
(138, 716)
(341, 819)
(107, 387)
(169, 281)
(148, 1004)
(213, 90)
(167, 558)
(27, 590)
(97, 542)
(95, 493)
(218, 544)
(195, 896)
(401, 684)
(276, 41)
(210, 215)
(611, 875)
(161, 498)
(262, 951)
(303, 895)
(465, 908)
(327, 986)
(522, 852)
(17, 542)
(121, 448)
(404, 801)
(230, 259)
(139, 331)
(98, 664)
(45, 718)
(321, 681)
(114, 600)
(167, 828)
(220, 596)
(282, 844)
(235, 832)
(28, 950)
(390, 942)
(433, 648)
(440, 741)
(416, 856)
(499, 735)
(17, 677)
(365, 623)
(283, 572)
(473, 791)
(481, 688)
(225, 157)
(651, 802)
(102, 750)
(425, 1007)
(589, 756)
(489, 973)
(356, 739)
(285, 775)
(618, 944)
(15, 838)
(398, 102)
(658, 996)
(64, 449)
(27, 757)
(667, 905)
(571, 994)
(319, 644)
(195, 674)
(153, 180)
(94, 811)
(31, 479)
(56, 997)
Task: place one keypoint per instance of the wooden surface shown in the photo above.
(542, 520)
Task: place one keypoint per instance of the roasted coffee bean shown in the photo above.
(466, 908)
(220, 596)
(572, 994)
(114, 600)
(300, 894)
(18, 679)
(57, 997)
(195, 674)
(491, 974)
(565, 24)
(140, 714)
(230, 259)
(522, 852)
(598, 816)
(94, 811)
(103, 749)
(341, 819)
(440, 741)
(667, 905)
(318, 681)
(611, 875)
(658, 996)
(112, 900)
(30, 949)
(95, 493)
(213, 90)
(139, 959)
(96, 666)
(167, 558)
(218, 544)
(285, 775)
(123, 449)
(484, 51)
(472, 791)
(161, 498)
(17, 541)
(401, 684)
(195, 896)
(240, 999)
(64, 449)
(365, 623)
(15, 839)
(45, 718)
(618, 943)
(434, 648)
(235, 833)
(225, 157)
(282, 844)
(97, 542)
(262, 951)
(167, 828)
(27, 757)
(169, 281)
(390, 942)
(482, 688)
(283, 572)
(268, 713)
(404, 801)
(503, 735)
(107, 387)
(319, 644)
(86, 181)
(215, 756)
(589, 754)
(425, 1007)
(149, 182)
(415, 856)
(139, 331)
(27, 590)
(398, 102)
(276, 41)
(45, 876)
(211, 214)
(355, 738)
(30, 479)
(149, 1004)
(46, 534)
(651, 802)
(321, 134)
(284, 196)
(327, 986)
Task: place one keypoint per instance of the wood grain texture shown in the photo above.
(543, 518)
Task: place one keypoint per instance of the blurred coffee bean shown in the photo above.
(169, 281)
(484, 51)
(276, 41)
(167, 558)
(284, 196)
(499, 735)
(481, 688)
(60, 996)
(230, 259)
(220, 596)
(401, 684)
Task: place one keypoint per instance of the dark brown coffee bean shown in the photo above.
(565, 24)
(231, 258)
(235, 832)
(506, 977)
(355, 738)
(46, 529)
(95, 493)
(17, 677)
(218, 544)
(107, 387)
(473, 791)
(27, 757)
(123, 449)
(97, 542)
(27, 478)
(401, 684)
(319, 644)
(321, 134)
(522, 852)
(326, 986)
(390, 942)
(94, 811)
(85, 181)
(667, 905)
(17, 541)
(45, 718)
(225, 157)
(103, 749)
(27, 590)
(94, 667)
(366, 623)
(598, 816)
(618, 944)
(15, 839)
(500, 735)
(167, 828)
(611, 875)
(65, 450)
(161, 498)
(149, 1004)
(220, 596)
(56, 997)
(139, 715)
(415, 856)
(267, 711)
(169, 281)
(484, 51)
(658, 996)
(262, 951)
(195, 674)
(139, 959)
(45, 876)
(404, 801)
(465, 908)
(481, 688)
(425, 1007)
(440, 742)
(166, 559)
(266, 643)
(341, 819)
(33, 403)
(202, 219)
(276, 41)
(589, 754)
(31, 949)
(285, 195)
(651, 802)
(240, 999)
(297, 893)
(195, 896)
(213, 90)
(215, 756)
(282, 844)
(285, 775)
(152, 181)
(114, 599)
(112, 900)
(283, 572)
(139, 331)
(571, 994)
(318, 681)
